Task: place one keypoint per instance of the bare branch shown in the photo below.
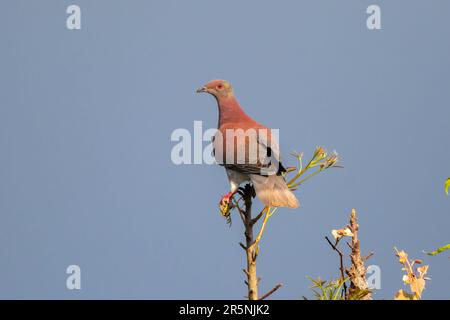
(357, 270)
(368, 256)
(341, 264)
(278, 286)
(255, 220)
(252, 279)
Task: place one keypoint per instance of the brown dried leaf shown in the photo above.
(403, 295)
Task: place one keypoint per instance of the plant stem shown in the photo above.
(341, 266)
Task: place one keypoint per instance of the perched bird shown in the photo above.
(253, 153)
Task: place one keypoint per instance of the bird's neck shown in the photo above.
(230, 111)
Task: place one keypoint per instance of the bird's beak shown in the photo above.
(202, 89)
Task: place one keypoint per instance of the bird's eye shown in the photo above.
(220, 87)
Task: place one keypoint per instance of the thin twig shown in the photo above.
(241, 212)
(368, 256)
(255, 220)
(341, 263)
(278, 286)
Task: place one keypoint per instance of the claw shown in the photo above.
(224, 204)
(224, 209)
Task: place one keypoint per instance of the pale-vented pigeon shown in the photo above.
(253, 154)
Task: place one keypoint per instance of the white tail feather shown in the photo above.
(273, 191)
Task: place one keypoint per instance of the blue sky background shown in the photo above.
(86, 117)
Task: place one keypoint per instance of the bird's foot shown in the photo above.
(224, 204)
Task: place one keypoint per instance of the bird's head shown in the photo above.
(218, 88)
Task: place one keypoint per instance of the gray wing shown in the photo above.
(267, 161)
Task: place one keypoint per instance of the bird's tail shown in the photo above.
(273, 191)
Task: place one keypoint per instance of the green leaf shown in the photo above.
(447, 185)
(359, 294)
(439, 250)
(327, 290)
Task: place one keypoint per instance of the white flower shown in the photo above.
(337, 234)
(406, 278)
